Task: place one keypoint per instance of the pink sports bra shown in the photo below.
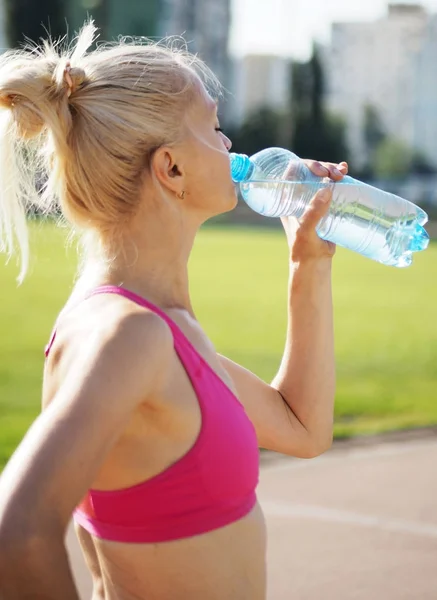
(211, 486)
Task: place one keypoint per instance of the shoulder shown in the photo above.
(118, 345)
(137, 330)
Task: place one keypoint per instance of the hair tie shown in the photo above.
(67, 78)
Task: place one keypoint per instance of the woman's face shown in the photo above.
(208, 182)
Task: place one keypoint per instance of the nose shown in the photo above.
(228, 142)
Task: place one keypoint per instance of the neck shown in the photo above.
(153, 264)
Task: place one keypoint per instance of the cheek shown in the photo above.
(210, 175)
(223, 166)
(213, 169)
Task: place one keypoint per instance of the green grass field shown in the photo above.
(385, 323)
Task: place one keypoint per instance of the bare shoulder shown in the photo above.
(120, 320)
(137, 344)
(108, 340)
(136, 333)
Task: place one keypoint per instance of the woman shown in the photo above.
(147, 435)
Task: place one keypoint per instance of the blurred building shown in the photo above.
(391, 65)
(3, 41)
(116, 17)
(205, 26)
(260, 81)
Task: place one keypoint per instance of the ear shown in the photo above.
(168, 169)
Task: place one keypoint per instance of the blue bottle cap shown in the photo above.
(419, 239)
(240, 167)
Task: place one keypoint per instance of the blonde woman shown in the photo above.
(147, 435)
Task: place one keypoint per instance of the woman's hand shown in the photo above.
(303, 241)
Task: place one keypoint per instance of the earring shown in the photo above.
(182, 195)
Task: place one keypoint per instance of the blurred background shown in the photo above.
(335, 80)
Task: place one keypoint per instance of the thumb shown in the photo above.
(317, 209)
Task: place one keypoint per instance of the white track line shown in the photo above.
(319, 513)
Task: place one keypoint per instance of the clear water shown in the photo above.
(362, 218)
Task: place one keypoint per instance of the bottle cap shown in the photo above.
(240, 167)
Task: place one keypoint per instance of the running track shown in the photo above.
(358, 523)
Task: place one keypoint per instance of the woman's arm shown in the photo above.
(65, 448)
(294, 415)
(306, 378)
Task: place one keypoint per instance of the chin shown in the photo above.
(233, 199)
(227, 204)
(233, 202)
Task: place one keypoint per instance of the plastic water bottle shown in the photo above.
(277, 183)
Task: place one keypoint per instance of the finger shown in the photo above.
(317, 209)
(317, 168)
(334, 172)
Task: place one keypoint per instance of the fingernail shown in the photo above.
(337, 172)
(324, 169)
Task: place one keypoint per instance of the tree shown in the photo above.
(420, 164)
(373, 134)
(315, 132)
(374, 131)
(261, 129)
(32, 20)
(307, 128)
(393, 159)
(317, 90)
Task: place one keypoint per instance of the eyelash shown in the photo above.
(219, 129)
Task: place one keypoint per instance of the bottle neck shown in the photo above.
(241, 167)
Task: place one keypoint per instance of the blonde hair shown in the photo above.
(85, 152)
